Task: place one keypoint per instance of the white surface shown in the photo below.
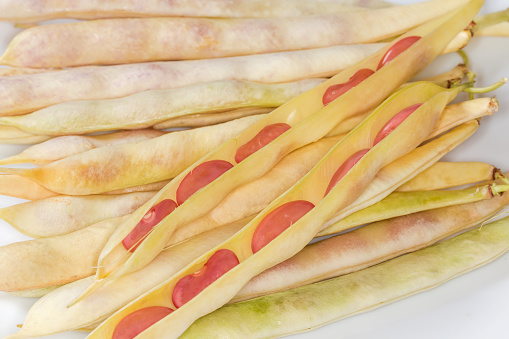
(475, 305)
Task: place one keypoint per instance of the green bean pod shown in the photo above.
(116, 260)
(311, 306)
(391, 205)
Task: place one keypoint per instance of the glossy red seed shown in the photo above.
(335, 91)
(157, 213)
(277, 221)
(199, 177)
(191, 285)
(394, 122)
(263, 138)
(138, 321)
(396, 49)
(345, 167)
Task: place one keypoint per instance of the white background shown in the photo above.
(475, 305)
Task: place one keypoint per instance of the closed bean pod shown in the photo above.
(450, 174)
(66, 214)
(122, 166)
(27, 93)
(391, 206)
(152, 107)
(39, 262)
(62, 147)
(101, 42)
(29, 10)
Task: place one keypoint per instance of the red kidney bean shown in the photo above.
(189, 286)
(138, 321)
(345, 167)
(199, 177)
(334, 91)
(394, 122)
(264, 137)
(397, 49)
(277, 221)
(157, 213)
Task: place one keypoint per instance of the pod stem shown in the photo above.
(500, 176)
(468, 87)
(491, 19)
(498, 189)
(464, 57)
(470, 75)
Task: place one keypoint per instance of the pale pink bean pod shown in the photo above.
(65, 214)
(27, 93)
(65, 146)
(33, 10)
(103, 42)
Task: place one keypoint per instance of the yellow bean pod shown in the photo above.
(35, 264)
(121, 166)
(116, 260)
(450, 174)
(152, 107)
(255, 255)
(406, 168)
(20, 187)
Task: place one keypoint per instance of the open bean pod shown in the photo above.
(291, 221)
(117, 258)
(400, 171)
